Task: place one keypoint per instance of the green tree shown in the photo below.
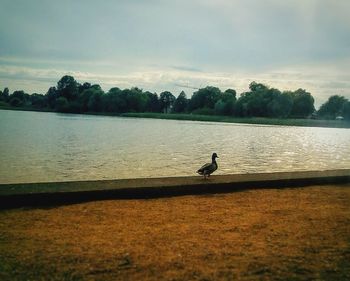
(254, 102)
(249, 104)
(332, 107)
(281, 105)
(136, 100)
(5, 94)
(205, 98)
(84, 99)
(152, 102)
(95, 101)
(84, 86)
(346, 110)
(38, 101)
(303, 104)
(15, 102)
(166, 101)
(225, 105)
(231, 92)
(256, 87)
(51, 97)
(67, 87)
(90, 99)
(62, 105)
(263, 101)
(181, 102)
(114, 101)
(20, 97)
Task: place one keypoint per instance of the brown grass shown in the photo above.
(271, 234)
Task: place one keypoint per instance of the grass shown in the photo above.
(270, 234)
(253, 120)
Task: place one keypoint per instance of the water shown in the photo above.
(39, 147)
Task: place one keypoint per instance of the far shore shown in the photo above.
(253, 120)
(301, 122)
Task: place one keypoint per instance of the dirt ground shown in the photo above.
(267, 234)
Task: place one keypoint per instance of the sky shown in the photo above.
(169, 45)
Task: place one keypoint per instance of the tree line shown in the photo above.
(69, 96)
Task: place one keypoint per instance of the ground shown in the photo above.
(261, 234)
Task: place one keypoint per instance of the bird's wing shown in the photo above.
(204, 167)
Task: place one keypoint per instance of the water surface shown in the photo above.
(39, 147)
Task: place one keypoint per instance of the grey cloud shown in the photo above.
(243, 39)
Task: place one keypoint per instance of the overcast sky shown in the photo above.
(163, 45)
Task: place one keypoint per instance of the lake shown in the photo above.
(40, 147)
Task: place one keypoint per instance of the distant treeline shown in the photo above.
(260, 101)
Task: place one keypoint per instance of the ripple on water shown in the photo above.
(51, 147)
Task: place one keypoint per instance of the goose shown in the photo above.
(209, 168)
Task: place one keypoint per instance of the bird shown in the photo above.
(209, 168)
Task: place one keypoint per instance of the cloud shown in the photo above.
(317, 79)
(159, 45)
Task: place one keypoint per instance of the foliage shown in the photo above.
(181, 103)
(4, 95)
(62, 104)
(205, 98)
(333, 107)
(303, 104)
(346, 110)
(166, 101)
(226, 103)
(259, 101)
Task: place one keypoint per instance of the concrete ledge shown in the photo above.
(61, 193)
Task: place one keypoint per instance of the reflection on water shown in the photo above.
(56, 147)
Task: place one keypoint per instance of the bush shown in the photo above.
(204, 111)
(16, 102)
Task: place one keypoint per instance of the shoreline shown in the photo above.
(62, 193)
(299, 122)
(318, 123)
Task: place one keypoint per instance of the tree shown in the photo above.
(332, 107)
(51, 96)
(18, 98)
(303, 104)
(5, 94)
(166, 101)
(231, 92)
(263, 101)
(255, 87)
(152, 102)
(225, 105)
(281, 105)
(136, 100)
(38, 101)
(205, 98)
(114, 101)
(95, 101)
(181, 102)
(346, 110)
(91, 99)
(67, 87)
(249, 104)
(84, 86)
(62, 104)
(15, 102)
